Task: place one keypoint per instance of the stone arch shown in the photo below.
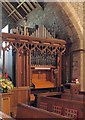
(74, 18)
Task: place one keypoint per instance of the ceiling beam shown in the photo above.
(31, 6)
(35, 3)
(16, 8)
(26, 7)
(9, 9)
(14, 14)
(8, 12)
(15, 11)
(22, 7)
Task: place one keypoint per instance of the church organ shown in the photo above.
(34, 60)
(34, 53)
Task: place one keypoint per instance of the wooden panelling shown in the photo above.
(20, 95)
(6, 102)
(34, 75)
(41, 75)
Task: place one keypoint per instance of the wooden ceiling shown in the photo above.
(20, 8)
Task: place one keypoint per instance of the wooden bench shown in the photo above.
(25, 111)
(77, 97)
(66, 107)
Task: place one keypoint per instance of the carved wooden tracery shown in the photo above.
(26, 48)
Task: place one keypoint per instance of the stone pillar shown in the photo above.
(82, 54)
(82, 70)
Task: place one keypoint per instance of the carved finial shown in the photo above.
(25, 18)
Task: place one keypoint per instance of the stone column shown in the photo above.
(82, 54)
(82, 70)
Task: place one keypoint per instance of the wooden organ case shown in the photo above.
(34, 59)
(34, 55)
